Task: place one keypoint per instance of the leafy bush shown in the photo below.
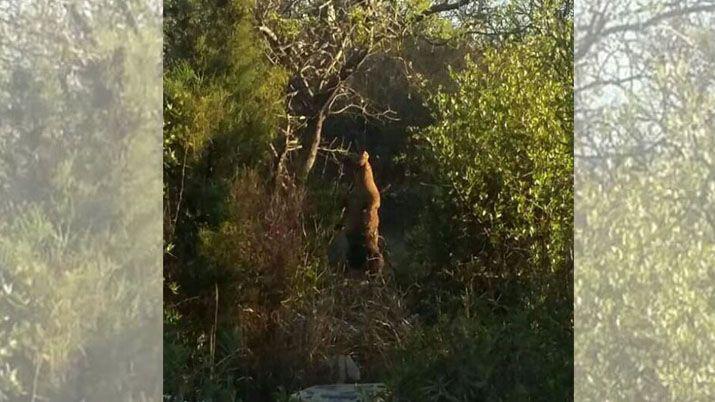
(491, 261)
(273, 289)
(80, 284)
(220, 113)
(504, 357)
(221, 108)
(480, 305)
(500, 157)
(645, 326)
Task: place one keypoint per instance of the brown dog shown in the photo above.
(362, 229)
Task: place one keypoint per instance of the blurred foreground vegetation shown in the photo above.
(80, 237)
(645, 202)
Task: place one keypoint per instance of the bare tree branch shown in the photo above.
(445, 6)
(597, 30)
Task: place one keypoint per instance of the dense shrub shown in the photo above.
(79, 195)
(645, 327)
(478, 306)
(510, 357)
(500, 156)
(221, 104)
(490, 266)
(278, 312)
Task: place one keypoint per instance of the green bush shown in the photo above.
(500, 157)
(490, 265)
(505, 357)
(645, 323)
(480, 307)
(80, 286)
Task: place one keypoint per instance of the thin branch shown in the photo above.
(598, 32)
(446, 6)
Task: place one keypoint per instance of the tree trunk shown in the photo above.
(312, 150)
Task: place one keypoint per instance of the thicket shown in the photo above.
(478, 302)
(79, 189)
(645, 217)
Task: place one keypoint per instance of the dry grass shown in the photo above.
(293, 312)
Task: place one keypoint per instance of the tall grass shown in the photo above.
(276, 312)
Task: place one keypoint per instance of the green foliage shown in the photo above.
(500, 155)
(221, 107)
(254, 311)
(78, 239)
(513, 357)
(219, 92)
(645, 322)
(490, 260)
(220, 103)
